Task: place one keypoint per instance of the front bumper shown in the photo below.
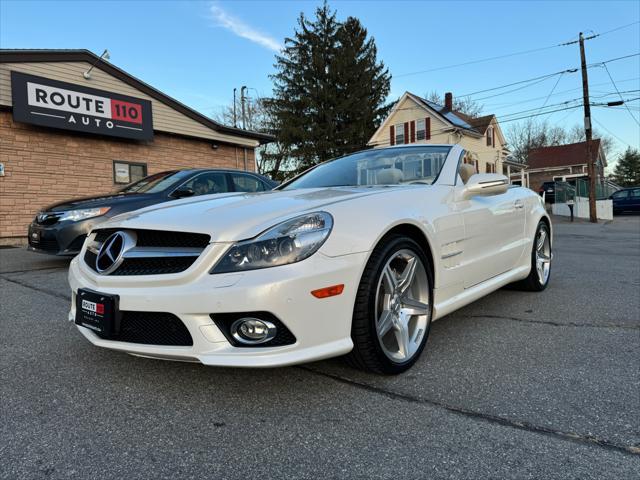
(63, 238)
(322, 327)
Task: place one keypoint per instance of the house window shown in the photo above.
(399, 133)
(128, 172)
(490, 137)
(421, 132)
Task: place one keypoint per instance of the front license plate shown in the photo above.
(98, 312)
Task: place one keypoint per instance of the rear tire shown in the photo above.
(541, 256)
(393, 308)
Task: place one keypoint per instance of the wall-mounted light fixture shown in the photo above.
(105, 56)
(214, 146)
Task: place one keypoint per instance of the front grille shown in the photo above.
(154, 263)
(154, 266)
(152, 328)
(46, 244)
(225, 320)
(159, 238)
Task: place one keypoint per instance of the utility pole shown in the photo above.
(235, 117)
(591, 168)
(242, 100)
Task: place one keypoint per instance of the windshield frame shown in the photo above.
(285, 185)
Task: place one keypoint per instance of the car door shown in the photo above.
(207, 183)
(620, 200)
(634, 200)
(494, 235)
(243, 182)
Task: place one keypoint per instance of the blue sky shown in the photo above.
(198, 51)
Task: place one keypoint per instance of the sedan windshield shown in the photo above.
(388, 166)
(156, 183)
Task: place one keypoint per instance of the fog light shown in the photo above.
(253, 330)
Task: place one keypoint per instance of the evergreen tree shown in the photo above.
(627, 171)
(329, 89)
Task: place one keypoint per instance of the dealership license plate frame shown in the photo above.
(99, 312)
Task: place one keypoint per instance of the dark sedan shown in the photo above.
(60, 229)
(626, 200)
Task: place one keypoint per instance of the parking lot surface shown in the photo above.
(516, 385)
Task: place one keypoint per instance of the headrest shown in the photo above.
(389, 176)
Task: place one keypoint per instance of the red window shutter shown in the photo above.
(392, 135)
(413, 131)
(406, 132)
(427, 128)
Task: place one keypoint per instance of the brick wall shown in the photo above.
(43, 166)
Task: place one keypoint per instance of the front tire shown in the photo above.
(393, 308)
(541, 256)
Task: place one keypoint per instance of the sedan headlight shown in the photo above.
(83, 214)
(287, 242)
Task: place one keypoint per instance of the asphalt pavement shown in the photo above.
(516, 385)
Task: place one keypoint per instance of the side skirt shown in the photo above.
(476, 292)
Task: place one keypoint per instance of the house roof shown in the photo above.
(477, 123)
(82, 55)
(563, 155)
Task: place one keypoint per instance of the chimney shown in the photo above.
(448, 101)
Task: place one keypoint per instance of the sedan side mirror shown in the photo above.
(485, 184)
(182, 192)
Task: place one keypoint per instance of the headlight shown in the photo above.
(287, 242)
(83, 214)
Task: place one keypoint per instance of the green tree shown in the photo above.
(627, 171)
(329, 89)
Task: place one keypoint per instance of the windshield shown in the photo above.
(156, 183)
(388, 166)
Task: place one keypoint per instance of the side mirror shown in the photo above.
(182, 192)
(485, 184)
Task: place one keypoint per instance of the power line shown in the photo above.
(559, 93)
(551, 92)
(529, 80)
(597, 64)
(610, 132)
(473, 62)
(620, 95)
(508, 55)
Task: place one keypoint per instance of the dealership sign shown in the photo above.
(50, 103)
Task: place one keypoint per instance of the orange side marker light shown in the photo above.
(328, 291)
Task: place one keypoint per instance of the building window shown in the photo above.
(399, 133)
(128, 172)
(421, 132)
(490, 137)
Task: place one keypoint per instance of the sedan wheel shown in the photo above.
(392, 312)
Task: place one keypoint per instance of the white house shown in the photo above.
(414, 119)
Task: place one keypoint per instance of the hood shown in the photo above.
(233, 217)
(109, 200)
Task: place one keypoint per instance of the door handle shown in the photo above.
(518, 204)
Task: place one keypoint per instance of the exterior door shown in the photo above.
(494, 235)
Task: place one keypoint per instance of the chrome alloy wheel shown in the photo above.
(543, 255)
(402, 306)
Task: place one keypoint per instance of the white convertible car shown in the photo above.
(356, 256)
